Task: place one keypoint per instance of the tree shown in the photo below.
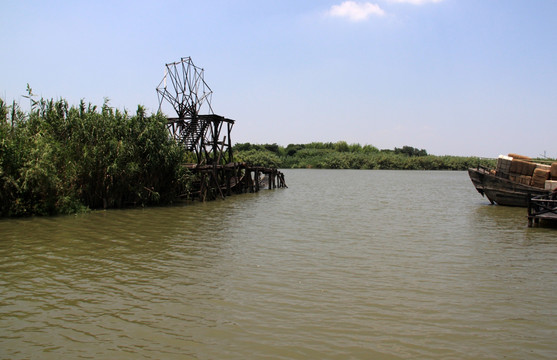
(410, 151)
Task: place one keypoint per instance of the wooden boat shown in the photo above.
(501, 190)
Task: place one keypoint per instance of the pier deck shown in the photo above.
(214, 181)
(542, 208)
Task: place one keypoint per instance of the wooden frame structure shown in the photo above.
(207, 136)
(542, 208)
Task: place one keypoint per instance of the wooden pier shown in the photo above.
(217, 181)
(542, 209)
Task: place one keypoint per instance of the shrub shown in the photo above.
(59, 159)
(258, 158)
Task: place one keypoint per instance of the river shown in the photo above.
(344, 264)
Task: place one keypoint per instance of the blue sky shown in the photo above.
(454, 77)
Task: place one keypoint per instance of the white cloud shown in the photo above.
(354, 11)
(416, 2)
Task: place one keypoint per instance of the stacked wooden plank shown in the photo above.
(552, 184)
(523, 170)
(522, 167)
(503, 168)
(520, 157)
(541, 175)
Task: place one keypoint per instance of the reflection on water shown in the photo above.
(343, 264)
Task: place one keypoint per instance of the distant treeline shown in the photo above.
(58, 159)
(341, 155)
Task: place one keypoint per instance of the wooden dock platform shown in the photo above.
(542, 209)
(214, 181)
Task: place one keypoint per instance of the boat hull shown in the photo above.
(502, 191)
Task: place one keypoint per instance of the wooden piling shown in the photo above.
(233, 178)
(542, 208)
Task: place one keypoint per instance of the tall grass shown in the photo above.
(60, 159)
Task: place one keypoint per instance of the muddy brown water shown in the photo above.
(341, 265)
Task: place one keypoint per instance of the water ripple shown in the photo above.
(343, 264)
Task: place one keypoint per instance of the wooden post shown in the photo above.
(230, 155)
(529, 211)
(256, 178)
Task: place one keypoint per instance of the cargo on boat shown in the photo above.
(515, 180)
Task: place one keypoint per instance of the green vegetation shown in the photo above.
(341, 155)
(61, 159)
(58, 159)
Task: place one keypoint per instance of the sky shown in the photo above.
(453, 77)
